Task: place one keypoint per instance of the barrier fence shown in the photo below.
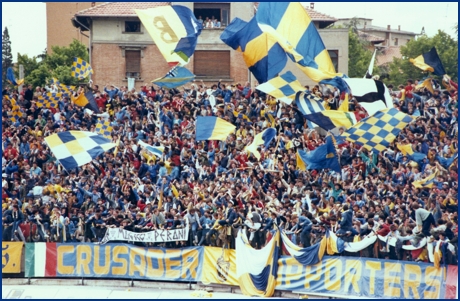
(335, 276)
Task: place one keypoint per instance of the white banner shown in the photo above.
(162, 235)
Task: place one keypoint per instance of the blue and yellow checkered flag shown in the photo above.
(283, 87)
(76, 148)
(64, 89)
(16, 113)
(80, 68)
(375, 133)
(104, 128)
(49, 100)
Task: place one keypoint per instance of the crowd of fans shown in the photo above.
(215, 187)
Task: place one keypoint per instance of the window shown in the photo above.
(132, 26)
(396, 41)
(218, 11)
(212, 64)
(334, 54)
(133, 63)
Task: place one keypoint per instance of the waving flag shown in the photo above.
(429, 61)
(426, 84)
(80, 68)
(76, 148)
(264, 51)
(16, 112)
(241, 116)
(156, 150)
(49, 100)
(375, 133)
(428, 182)
(283, 87)
(292, 22)
(176, 77)
(308, 103)
(370, 69)
(65, 90)
(259, 277)
(371, 94)
(174, 29)
(104, 128)
(447, 162)
(322, 157)
(331, 119)
(264, 138)
(11, 79)
(213, 128)
(86, 100)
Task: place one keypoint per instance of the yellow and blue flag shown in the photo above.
(447, 162)
(104, 128)
(429, 61)
(241, 116)
(76, 148)
(308, 103)
(335, 245)
(156, 150)
(213, 128)
(80, 68)
(174, 29)
(305, 256)
(65, 89)
(86, 100)
(376, 132)
(49, 100)
(16, 112)
(283, 87)
(11, 79)
(264, 138)
(322, 157)
(330, 119)
(428, 182)
(176, 77)
(426, 84)
(292, 22)
(299, 162)
(259, 277)
(263, 50)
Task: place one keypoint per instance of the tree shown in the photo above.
(40, 69)
(7, 56)
(400, 70)
(359, 56)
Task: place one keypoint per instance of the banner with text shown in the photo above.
(11, 257)
(358, 277)
(163, 235)
(114, 261)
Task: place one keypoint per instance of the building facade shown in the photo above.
(59, 28)
(121, 47)
(387, 40)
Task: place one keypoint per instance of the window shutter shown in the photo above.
(133, 61)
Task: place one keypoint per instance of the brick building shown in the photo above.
(121, 47)
(59, 29)
(386, 40)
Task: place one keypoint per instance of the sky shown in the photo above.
(29, 37)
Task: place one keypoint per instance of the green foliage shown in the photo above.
(7, 56)
(359, 56)
(40, 69)
(402, 69)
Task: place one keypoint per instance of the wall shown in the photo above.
(59, 28)
(109, 65)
